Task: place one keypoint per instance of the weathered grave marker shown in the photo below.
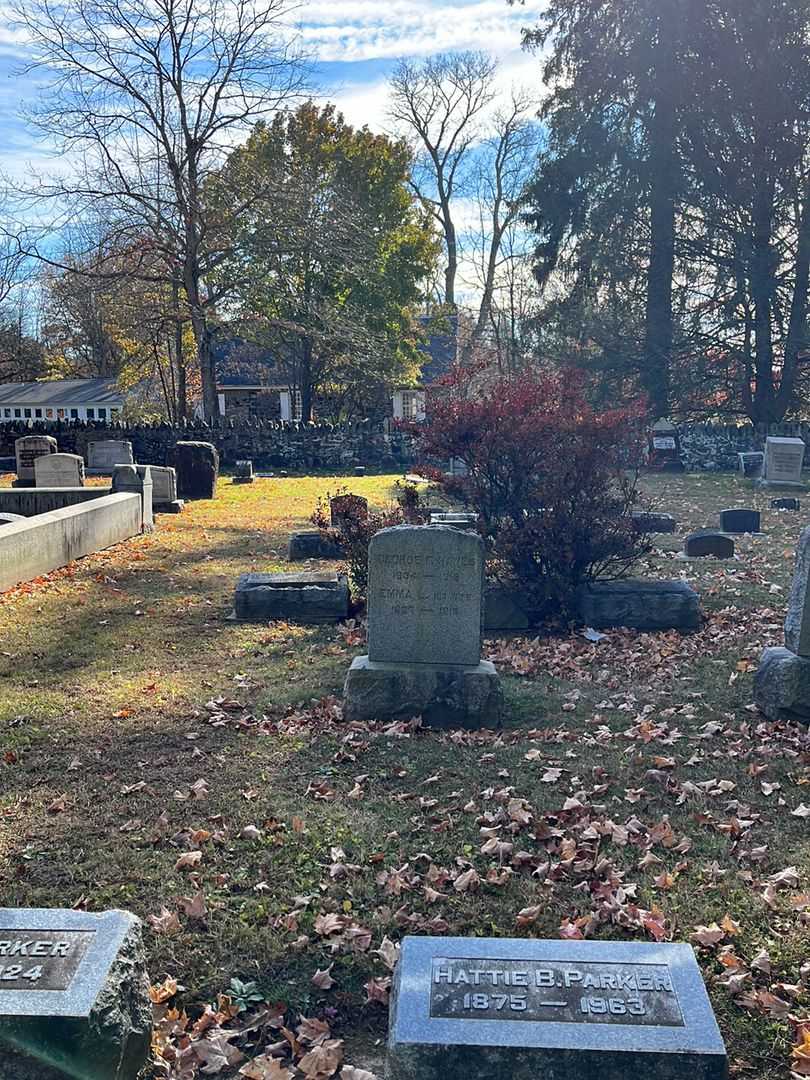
(782, 681)
(103, 456)
(243, 472)
(784, 459)
(73, 995)
(197, 465)
(425, 600)
(740, 521)
(708, 542)
(298, 598)
(164, 490)
(59, 470)
(27, 449)
(311, 545)
(138, 479)
(494, 1008)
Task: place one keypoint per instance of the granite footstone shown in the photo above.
(74, 996)
(649, 521)
(640, 605)
(708, 542)
(740, 521)
(568, 1010)
(311, 545)
(786, 503)
(137, 479)
(298, 598)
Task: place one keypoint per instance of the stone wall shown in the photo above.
(269, 444)
(714, 447)
(38, 545)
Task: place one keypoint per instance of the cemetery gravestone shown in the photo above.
(782, 681)
(522, 1009)
(739, 521)
(243, 473)
(784, 459)
(640, 605)
(785, 504)
(197, 465)
(73, 995)
(27, 449)
(664, 449)
(103, 456)
(750, 464)
(645, 521)
(425, 600)
(164, 490)
(59, 470)
(707, 542)
(138, 479)
(456, 520)
(311, 545)
(298, 598)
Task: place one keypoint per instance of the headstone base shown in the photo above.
(782, 685)
(19, 1067)
(311, 545)
(781, 485)
(23, 484)
(173, 507)
(463, 697)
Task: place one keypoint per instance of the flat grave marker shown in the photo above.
(73, 994)
(492, 1008)
(784, 459)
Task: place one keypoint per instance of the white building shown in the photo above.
(60, 399)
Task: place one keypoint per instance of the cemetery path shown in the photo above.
(154, 756)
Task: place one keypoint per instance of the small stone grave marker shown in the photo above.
(137, 479)
(243, 472)
(104, 455)
(73, 995)
(784, 459)
(164, 490)
(750, 463)
(649, 521)
(786, 504)
(59, 471)
(523, 1009)
(311, 545)
(298, 598)
(706, 542)
(782, 681)
(343, 508)
(739, 521)
(455, 519)
(27, 449)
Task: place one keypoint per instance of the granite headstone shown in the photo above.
(243, 472)
(526, 1009)
(59, 470)
(740, 521)
(27, 449)
(164, 490)
(73, 995)
(137, 479)
(706, 542)
(104, 455)
(784, 459)
(297, 598)
(197, 465)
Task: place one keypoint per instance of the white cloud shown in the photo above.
(386, 29)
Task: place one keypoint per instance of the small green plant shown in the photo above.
(245, 995)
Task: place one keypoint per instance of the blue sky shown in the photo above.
(354, 44)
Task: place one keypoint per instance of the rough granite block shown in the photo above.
(782, 686)
(651, 522)
(458, 697)
(640, 605)
(298, 598)
(495, 1009)
(80, 1006)
(311, 545)
(197, 465)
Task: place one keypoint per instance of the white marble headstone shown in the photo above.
(59, 470)
(784, 459)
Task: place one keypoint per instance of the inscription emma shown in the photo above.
(41, 959)
(561, 992)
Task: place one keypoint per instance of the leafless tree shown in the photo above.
(504, 165)
(145, 100)
(440, 103)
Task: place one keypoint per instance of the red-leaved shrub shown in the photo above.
(553, 481)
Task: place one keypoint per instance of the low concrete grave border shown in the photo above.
(40, 544)
(32, 501)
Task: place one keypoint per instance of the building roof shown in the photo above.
(61, 392)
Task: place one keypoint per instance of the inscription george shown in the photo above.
(413, 591)
(557, 992)
(41, 959)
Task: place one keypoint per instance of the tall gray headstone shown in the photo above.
(27, 449)
(138, 479)
(797, 623)
(73, 995)
(59, 470)
(572, 1010)
(784, 459)
(425, 590)
(425, 599)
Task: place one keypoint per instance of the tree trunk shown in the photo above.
(452, 259)
(796, 340)
(305, 379)
(179, 359)
(762, 292)
(664, 168)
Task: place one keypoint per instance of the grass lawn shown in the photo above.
(155, 757)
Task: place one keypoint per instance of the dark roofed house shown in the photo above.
(441, 352)
(60, 399)
(249, 383)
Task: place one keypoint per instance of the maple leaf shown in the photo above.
(468, 881)
(167, 989)
(216, 1052)
(708, 935)
(322, 1060)
(388, 952)
(165, 923)
(265, 1068)
(528, 916)
(377, 990)
(193, 906)
(328, 924)
(322, 979)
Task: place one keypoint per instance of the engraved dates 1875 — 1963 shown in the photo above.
(41, 959)
(552, 991)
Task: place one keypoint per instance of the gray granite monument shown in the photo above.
(784, 459)
(297, 598)
(73, 995)
(740, 521)
(425, 602)
(164, 490)
(27, 449)
(782, 681)
(708, 542)
(243, 472)
(495, 1009)
(138, 479)
(104, 455)
(59, 470)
